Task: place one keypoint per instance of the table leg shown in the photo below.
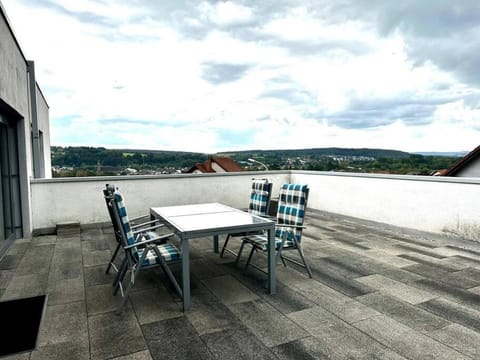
(185, 274)
(215, 244)
(272, 276)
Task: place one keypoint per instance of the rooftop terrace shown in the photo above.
(377, 292)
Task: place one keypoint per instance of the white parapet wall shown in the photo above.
(81, 199)
(426, 203)
(433, 204)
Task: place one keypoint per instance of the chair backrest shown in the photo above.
(108, 196)
(260, 197)
(292, 203)
(121, 218)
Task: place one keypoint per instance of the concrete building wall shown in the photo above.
(470, 170)
(15, 103)
(44, 128)
(13, 71)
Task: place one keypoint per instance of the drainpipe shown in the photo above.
(35, 132)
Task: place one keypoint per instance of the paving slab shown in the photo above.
(267, 323)
(229, 290)
(65, 291)
(36, 260)
(449, 278)
(100, 299)
(387, 258)
(154, 304)
(141, 355)
(114, 334)
(439, 288)
(336, 281)
(397, 289)
(448, 251)
(236, 343)
(175, 339)
(403, 312)
(25, 285)
(95, 275)
(469, 273)
(65, 350)
(64, 325)
(462, 339)
(405, 341)
(427, 260)
(5, 278)
(421, 250)
(306, 349)
(93, 258)
(336, 338)
(453, 312)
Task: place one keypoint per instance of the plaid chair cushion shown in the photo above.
(124, 217)
(291, 210)
(167, 251)
(259, 197)
(261, 242)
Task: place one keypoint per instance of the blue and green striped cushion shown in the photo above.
(167, 251)
(291, 209)
(259, 197)
(124, 217)
(261, 242)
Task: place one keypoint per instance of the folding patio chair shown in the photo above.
(258, 205)
(292, 204)
(140, 254)
(140, 225)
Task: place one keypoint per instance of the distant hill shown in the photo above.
(333, 151)
(89, 161)
(443, 153)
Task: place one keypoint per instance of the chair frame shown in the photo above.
(296, 245)
(135, 263)
(269, 186)
(140, 228)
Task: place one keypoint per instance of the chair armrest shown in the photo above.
(144, 224)
(147, 229)
(140, 217)
(145, 242)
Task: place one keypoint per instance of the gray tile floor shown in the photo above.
(376, 293)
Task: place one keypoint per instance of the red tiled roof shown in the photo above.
(227, 164)
(459, 165)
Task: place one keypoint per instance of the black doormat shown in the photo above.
(20, 322)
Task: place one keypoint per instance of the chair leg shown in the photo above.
(279, 255)
(168, 272)
(133, 276)
(239, 253)
(225, 245)
(300, 251)
(120, 275)
(135, 270)
(250, 257)
(113, 258)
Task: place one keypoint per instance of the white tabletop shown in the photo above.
(210, 216)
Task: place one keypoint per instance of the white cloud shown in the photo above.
(313, 78)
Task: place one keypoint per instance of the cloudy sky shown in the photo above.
(212, 76)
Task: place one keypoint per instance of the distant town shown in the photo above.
(99, 161)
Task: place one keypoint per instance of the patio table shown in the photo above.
(213, 219)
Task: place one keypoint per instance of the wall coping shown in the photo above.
(435, 179)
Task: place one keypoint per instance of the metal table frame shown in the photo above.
(177, 218)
